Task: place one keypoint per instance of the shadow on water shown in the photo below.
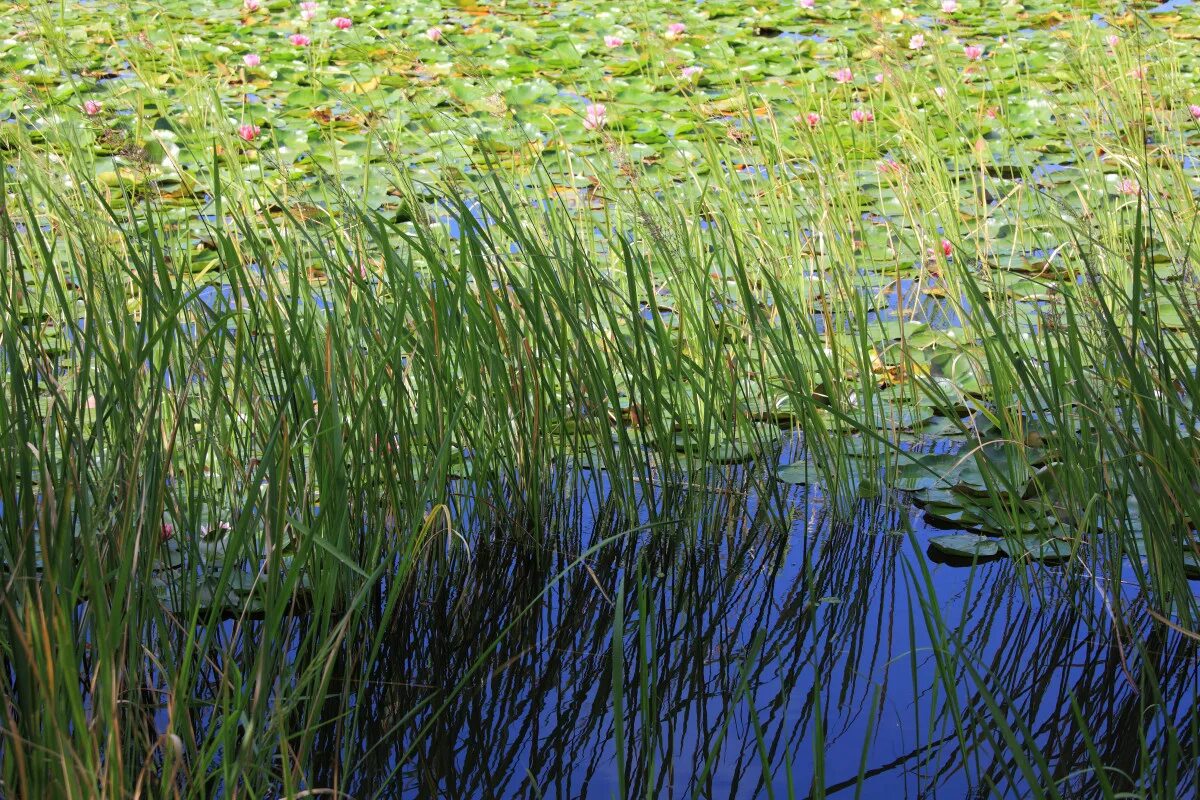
(732, 639)
(761, 648)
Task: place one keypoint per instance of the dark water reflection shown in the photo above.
(766, 650)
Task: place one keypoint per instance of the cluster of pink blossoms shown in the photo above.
(309, 10)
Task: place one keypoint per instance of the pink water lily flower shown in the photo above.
(940, 91)
(949, 6)
(973, 52)
(595, 117)
(1194, 110)
(843, 75)
(92, 107)
(691, 73)
(248, 132)
(1130, 187)
(807, 3)
(251, 60)
(613, 41)
(1112, 40)
(889, 166)
(308, 11)
(251, 5)
(434, 34)
(675, 30)
(947, 248)
(916, 41)
(300, 40)
(860, 115)
(342, 23)
(813, 119)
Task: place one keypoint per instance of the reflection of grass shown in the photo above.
(365, 402)
(1099, 731)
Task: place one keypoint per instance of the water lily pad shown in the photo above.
(966, 545)
(1035, 547)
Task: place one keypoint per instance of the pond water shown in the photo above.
(768, 649)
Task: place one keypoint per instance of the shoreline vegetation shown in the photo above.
(396, 397)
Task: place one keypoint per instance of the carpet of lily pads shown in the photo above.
(288, 89)
(1009, 99)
